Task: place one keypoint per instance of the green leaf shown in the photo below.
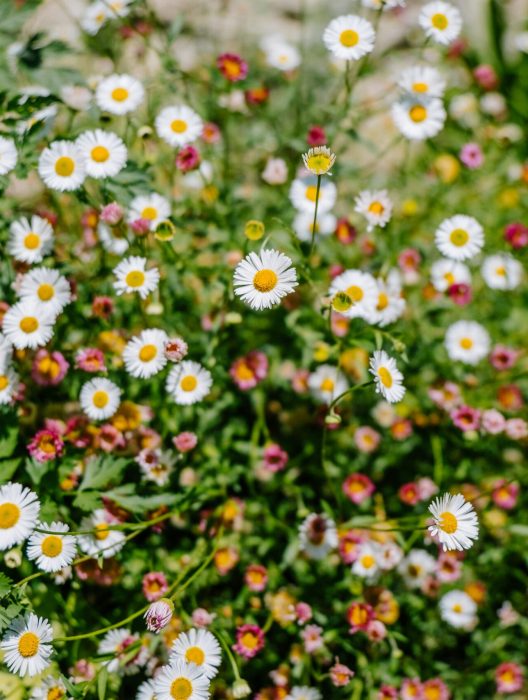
(5, 584)
(8, 467)
(102, 680)
(87, 501)
(8, 441)
(139, 504)
(100, 471)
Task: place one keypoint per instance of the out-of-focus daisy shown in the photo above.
(262, 279)
(95, 16)
(467, 341)
(303, 692)
(502, 272)
(8, 155)
(189, 383)
(61, 166)
(103, 541)
(26, 326)
(146, 691)
(199, 647)
(181, 680)
(118, 642)
(50, 689)
(131, 276)
(387, 376)
(100, 398)
(459, 610)
(391, 304)
(112, 238)
(422, 81)
(319, 160)
(30, 241)
(441, 22)
(376, 207)
(445, 273)
(8, 385)
(6, 352)
(383, 4)
(303, 225)
(419, 119)
(156, 465)
(104, 153)
(362, 291)
(327, 383)
(47, 289)
(416, 567)
(119, 94)
(19, 509)
(349, 37)
(455, 522)
(27, 645)
(151, 207)
(367, 564)
(280, 54)
(460, 237)
(178, 125)
(144, 355)
(317, 536)
(52, 552)
(303, 193)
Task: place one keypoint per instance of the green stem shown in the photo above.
(312, 245)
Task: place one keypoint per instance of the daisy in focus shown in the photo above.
(26, 326)
(178, 125)
(441, 22)
(30, 240)
(262, 279)
(119, 94)
(455, 522)
(144, 355)
(45, 288)
(27, 645)
(376, 207)
(103, 541)
(182, 681)
(62, 166)
(104, 153)
(467, 341)
(387, 377)
(52, 552)
(100, 398)
(151, 207)
(19, 510)
(131, 276)
(349, 37)
(188, 383)
(459, 237)
(199, 647)
(419, 119)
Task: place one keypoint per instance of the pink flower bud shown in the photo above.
(111, 214)
(159, 614)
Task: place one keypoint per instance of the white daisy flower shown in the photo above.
(467, 341)
(30, 241)
(181, 680)
(144, 355)
(52, 552)
(95, 17)
(327, 383)
(387, 376)
(445, 273)
(385, 4)
(112, 239)
(117, 642)
(119, 94)
(8, 155)
(26, 326)
(376, 207)
(317, 536)
(362, 290)
(459, 237)
(455, 522)
(303, 225)
(103, 541)
(502, 272)
(349, 37)
(6, 352)
(389, 555)
(105, 154)
(156, 465)
(8, 385)
(303, 193)
(178, 125)
(19, 509)
(100, 398)
(417, 118)
(262, 279)
(133, 277)
(47, 289)
(417, 566)
(27, 645)
(199, 647)
(146, 691)
(188, 383)
(50, 689)
(391, 305)
(118, 8)
(280, 54)
(62, 166)
(151, 207)
(459, 610)
(422, 81)
(441, 22)
(303, 692)
(367, 564)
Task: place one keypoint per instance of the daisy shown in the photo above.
(112, 239)
(156, 465)
(441, 22)
(281, 55)
(391, 305)
(317, 536)
(263, 279)
(119, 94)
(151, 207)
(419, 81)
(349, 37)
(144, 355)
(104, 153)
(319, 160)
(417, 566)
(502, 272)
(387, 376)
(8, 385)
(181, 681)
(459, 610)
(117, 642)
(26, 326)
(100, 398)
(445, 273)
(376, 207)
(102, 541)
(303, 193)
(419, 119)
(303, 225)
(6, 351)
(8, 155)
(52, 552)
(303, 692)
(30, 241)
(467, 341)
(27, 645)
(385, 4)
(367, 564)
(178, 125)
(146, 691)
(455, 522)
(50, 689)
(19, 509)
(94, 17)
(132, 277)
(118, 8)
(61, 166)
(459, 237)
(199, 647)
(46, 289)
(188, 383)
(360, 288)
(327, 383)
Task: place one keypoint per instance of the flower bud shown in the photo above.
(159, 614)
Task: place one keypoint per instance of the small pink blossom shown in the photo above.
(460, 293)
(505, 494)
(250, 370)
(408, 262)
(202, 617)
(340, 675)
(109, 438)
(154, 585)
(275, 458)
(367, 439)
(426, 488)
(411, 689)
(516, 234)
(358, 487)
(435, 688)
(102, 307)
(256, 577)
(232, 66)
(140, 226)
(275, 172)
(46, 445)
(486, 77)
(376, 631)
(312, 638)
(493, 422)
(303, 612)
(503, 357)
(250, 641)
(112, 214)
(90, 360)
(349, 546)
(409, 493)
(446, 397)
(471, 156)
(509, 677)
(387, 692)
(466, 418)
(516, 428)
(448, 567)
(188, 159)
(185, 442)
(316, 136)
(49, 368)
(176, 349)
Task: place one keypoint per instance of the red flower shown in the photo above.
(232, 67)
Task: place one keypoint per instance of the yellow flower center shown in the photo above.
(100, 154)
(249, 640)
(457, 608)
(439, 21)
(418, 113)
(311, 193)
(4, 382)
(120, 94)
(466, 343)
(349, 38)
(149, 213)
(181, 689)
(100, 399)
(55, 693)
(32, 241)
(136, 278)
(449, 278)
(179, 126)
(319, 164)
(385, 377)
(46, 292)
(51, 546)
(28, 644)
(376, 208)
(448, 523)
(327, 384)
(368, 561)
(501, 271)
(383, 301)
(420, 87)
(432, 693)
(194, 655)
(64, 166)
(355, 293)
(148, 353)
(9, 515)
(101, 531)
(28, 324)
(265, 281)
(459, 237)
(189, 383)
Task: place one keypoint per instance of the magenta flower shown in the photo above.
(312, 638)
(90, 360)
(232, 67)
(466, 418)
(509, 677)
(316, 136)
(303, 612)
(358, 487)
(505, 494)
(460, 293)
(471, 156)
(486, 77)
(46, 445)
(159, 614)
(274, 458)
(516, 234)
(185, 442)
(188, 159)
(49, 368)
(250, 640)
(503, 357)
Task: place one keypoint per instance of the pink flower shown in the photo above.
(359, 616)
(466, 418)
(188, 159)
(110, 438)
(516, 234)
(509, 677)
(49, 368)
(274, 458)
(312, 639)
(275, 171)
(249, 370)
(316, 136)
(112, 214)
(82, 670)
(447, 397)
(140, 226)
(448, 567)
(232, 67)
(303, 612)
(510, 397)
(300, 381)
(256, 577)
(154, 585)
(250, 640)
(46, 445)
(411, 689)
(159, 614)
(211, 132)
(358, 487)
(516, 428)
(202, 617)
(408, 262)
(493, 422)
(471, 156)
(345, 232)
(367, 439)
(90, 360)
(387, 692)
(185, 442)
(349, 545)
(340, 324)
(340, 675)
(460, 293)
(376, 631)
(176, 349)
(426, 488)
(409, 493)
(435, 688)
(504, 494)
(486, 77)
(102, 307)
(503, 357)
(401, 429)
